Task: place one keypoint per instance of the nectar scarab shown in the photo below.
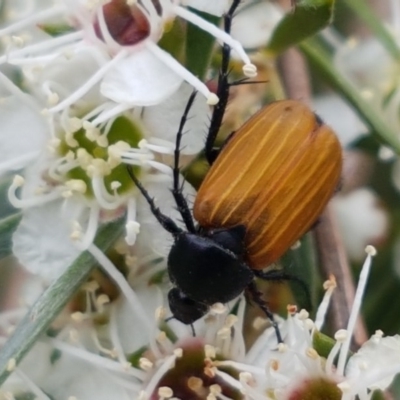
(265, 188)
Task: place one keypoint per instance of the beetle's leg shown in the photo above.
(180, 200)
(257, 298)
(167, 223)
(222, 90)
(279, 276)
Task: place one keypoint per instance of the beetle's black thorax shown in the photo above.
(210, 268)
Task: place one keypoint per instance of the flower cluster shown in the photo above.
(163, 361)
(93, 93)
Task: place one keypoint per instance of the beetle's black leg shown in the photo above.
(167, 223)
(222, 90)
(257, 298)
(180, 200)
(193, 331)
(279, 275)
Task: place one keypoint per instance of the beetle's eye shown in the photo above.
(185, 309)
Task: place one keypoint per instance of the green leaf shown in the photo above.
(362, 10)
(199, 45)
(7, 227)
(323, 344)
(302, 263)
(56, 29)
(322, 60)
(54, 299)
(308, 18)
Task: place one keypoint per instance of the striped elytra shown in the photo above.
(275, 176)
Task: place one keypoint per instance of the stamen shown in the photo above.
(18, 93)
(123, 284)
(39, 394)
(158, 146)
(32, 202)
(362, 281)
(132, 226)
(228, 379)
(186, 75)
(249, 69)
(32, 20)
(108, 39)
(89, 84)
(329, 287)
(340, 337)
(246, 379)
(42, 46)
(162, 370)
(95, 359)
(91, 230)
(105, 199)
(165, 169)
(109, 113)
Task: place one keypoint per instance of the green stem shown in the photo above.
(323, 62)
(364, 12)
(53, 300)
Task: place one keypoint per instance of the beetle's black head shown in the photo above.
(185, 309)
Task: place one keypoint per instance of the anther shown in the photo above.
(210, 351)
(341, 335)
(145, 364)
(250, 70)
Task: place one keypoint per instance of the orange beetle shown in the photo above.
(265, 190)
(275, 176)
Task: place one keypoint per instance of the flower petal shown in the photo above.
(254, 24)
(15, 150)
(42, 240)
(141, 80)
(162, 120)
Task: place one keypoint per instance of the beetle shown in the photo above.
(266, 187)
(265, 190)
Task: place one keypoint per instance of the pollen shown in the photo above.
(210, 351)
(218, 308)
(11, 364)
(77, 185)
(330, 283)
(165, 392)
(341, 335)
(312, 353)
(145, 364)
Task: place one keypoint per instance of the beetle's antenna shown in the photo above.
(222, 90)
(193, 331)
(257, 298)
(279, 276)
(180, 200)
(166, 222)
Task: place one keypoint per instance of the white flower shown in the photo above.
(121, 37)
(372, 71)
(255, 22)
(76, 171)
(294, 370)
